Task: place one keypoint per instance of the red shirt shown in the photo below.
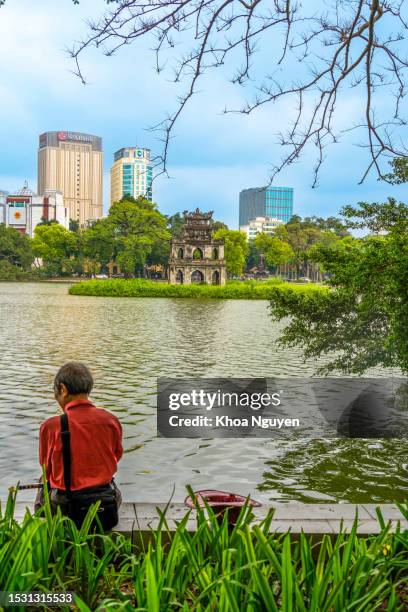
(96, 446)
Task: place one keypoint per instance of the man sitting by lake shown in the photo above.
(80, 450)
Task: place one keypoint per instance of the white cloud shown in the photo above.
(212, 156)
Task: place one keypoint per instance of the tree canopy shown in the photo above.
(275, 250)
(137, 227)
(15, 248)
(56, 247)
(236, 249)
(362, 321)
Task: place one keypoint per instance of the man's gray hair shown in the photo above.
(76, 377)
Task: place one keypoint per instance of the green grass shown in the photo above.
(215, 568)
(236, 290)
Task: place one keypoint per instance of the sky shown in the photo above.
(213, 156)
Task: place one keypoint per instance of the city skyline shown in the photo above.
(212, 156)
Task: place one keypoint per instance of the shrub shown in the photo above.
(244, 290)
(215, 567)
(8, 272)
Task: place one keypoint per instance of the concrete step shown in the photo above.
(311, 519)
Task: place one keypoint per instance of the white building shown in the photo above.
(260, 225)
(25, 210)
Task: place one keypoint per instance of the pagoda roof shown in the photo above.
(198, 215)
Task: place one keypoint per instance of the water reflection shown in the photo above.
(128, 343)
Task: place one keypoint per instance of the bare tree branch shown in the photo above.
(355, 44)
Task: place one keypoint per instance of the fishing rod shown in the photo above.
(23, 487)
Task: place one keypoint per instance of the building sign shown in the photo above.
(17, 214)
(74, 136)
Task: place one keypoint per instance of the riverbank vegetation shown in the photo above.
(216, 567)
(133, 240)
(236, 290)
(363, 321)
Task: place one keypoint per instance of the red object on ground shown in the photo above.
(220, 502)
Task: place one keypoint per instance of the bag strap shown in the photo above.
(66, 452)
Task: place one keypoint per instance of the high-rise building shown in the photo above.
(273, 202)
(131, 174)
(72, 162)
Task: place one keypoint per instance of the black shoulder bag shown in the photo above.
(79, 502)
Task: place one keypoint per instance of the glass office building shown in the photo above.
(131, 174)
(272, 202)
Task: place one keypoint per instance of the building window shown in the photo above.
(197, 277)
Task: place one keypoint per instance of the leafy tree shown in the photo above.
(332, 224)
(274, 250)
(236, 249)
(45, 221)
(362, 321)
(217, 225)
(253, 255)
(175, 225)
(399, 172)
(159, 254)
(8, 272)
(137, 226)
(73, 225)
(98, 244)
(300, 235)
(15, 248)
(57, 247)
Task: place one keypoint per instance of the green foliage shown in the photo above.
(57, 247)
(98, 244)
(275, 250)
(45, 221)
(219, 225)
(363, 321)
(73, 225)
(214, 567)
(15, 248)
(301, 236)
(332, 224)
(248, 290)
(235, 250)
(253, 255)
(137, 226)
(399, 172)
(8, 272)
(175, 224)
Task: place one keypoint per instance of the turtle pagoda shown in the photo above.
(196, 257)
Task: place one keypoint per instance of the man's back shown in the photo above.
(95, 446)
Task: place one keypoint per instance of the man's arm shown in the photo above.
(44, 450)
(118, 446)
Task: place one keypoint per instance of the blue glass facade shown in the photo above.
(274, 202)
(136, 172)
(128, 179)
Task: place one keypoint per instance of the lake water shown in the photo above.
(128, 343)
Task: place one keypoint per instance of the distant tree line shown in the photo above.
(135, 237)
